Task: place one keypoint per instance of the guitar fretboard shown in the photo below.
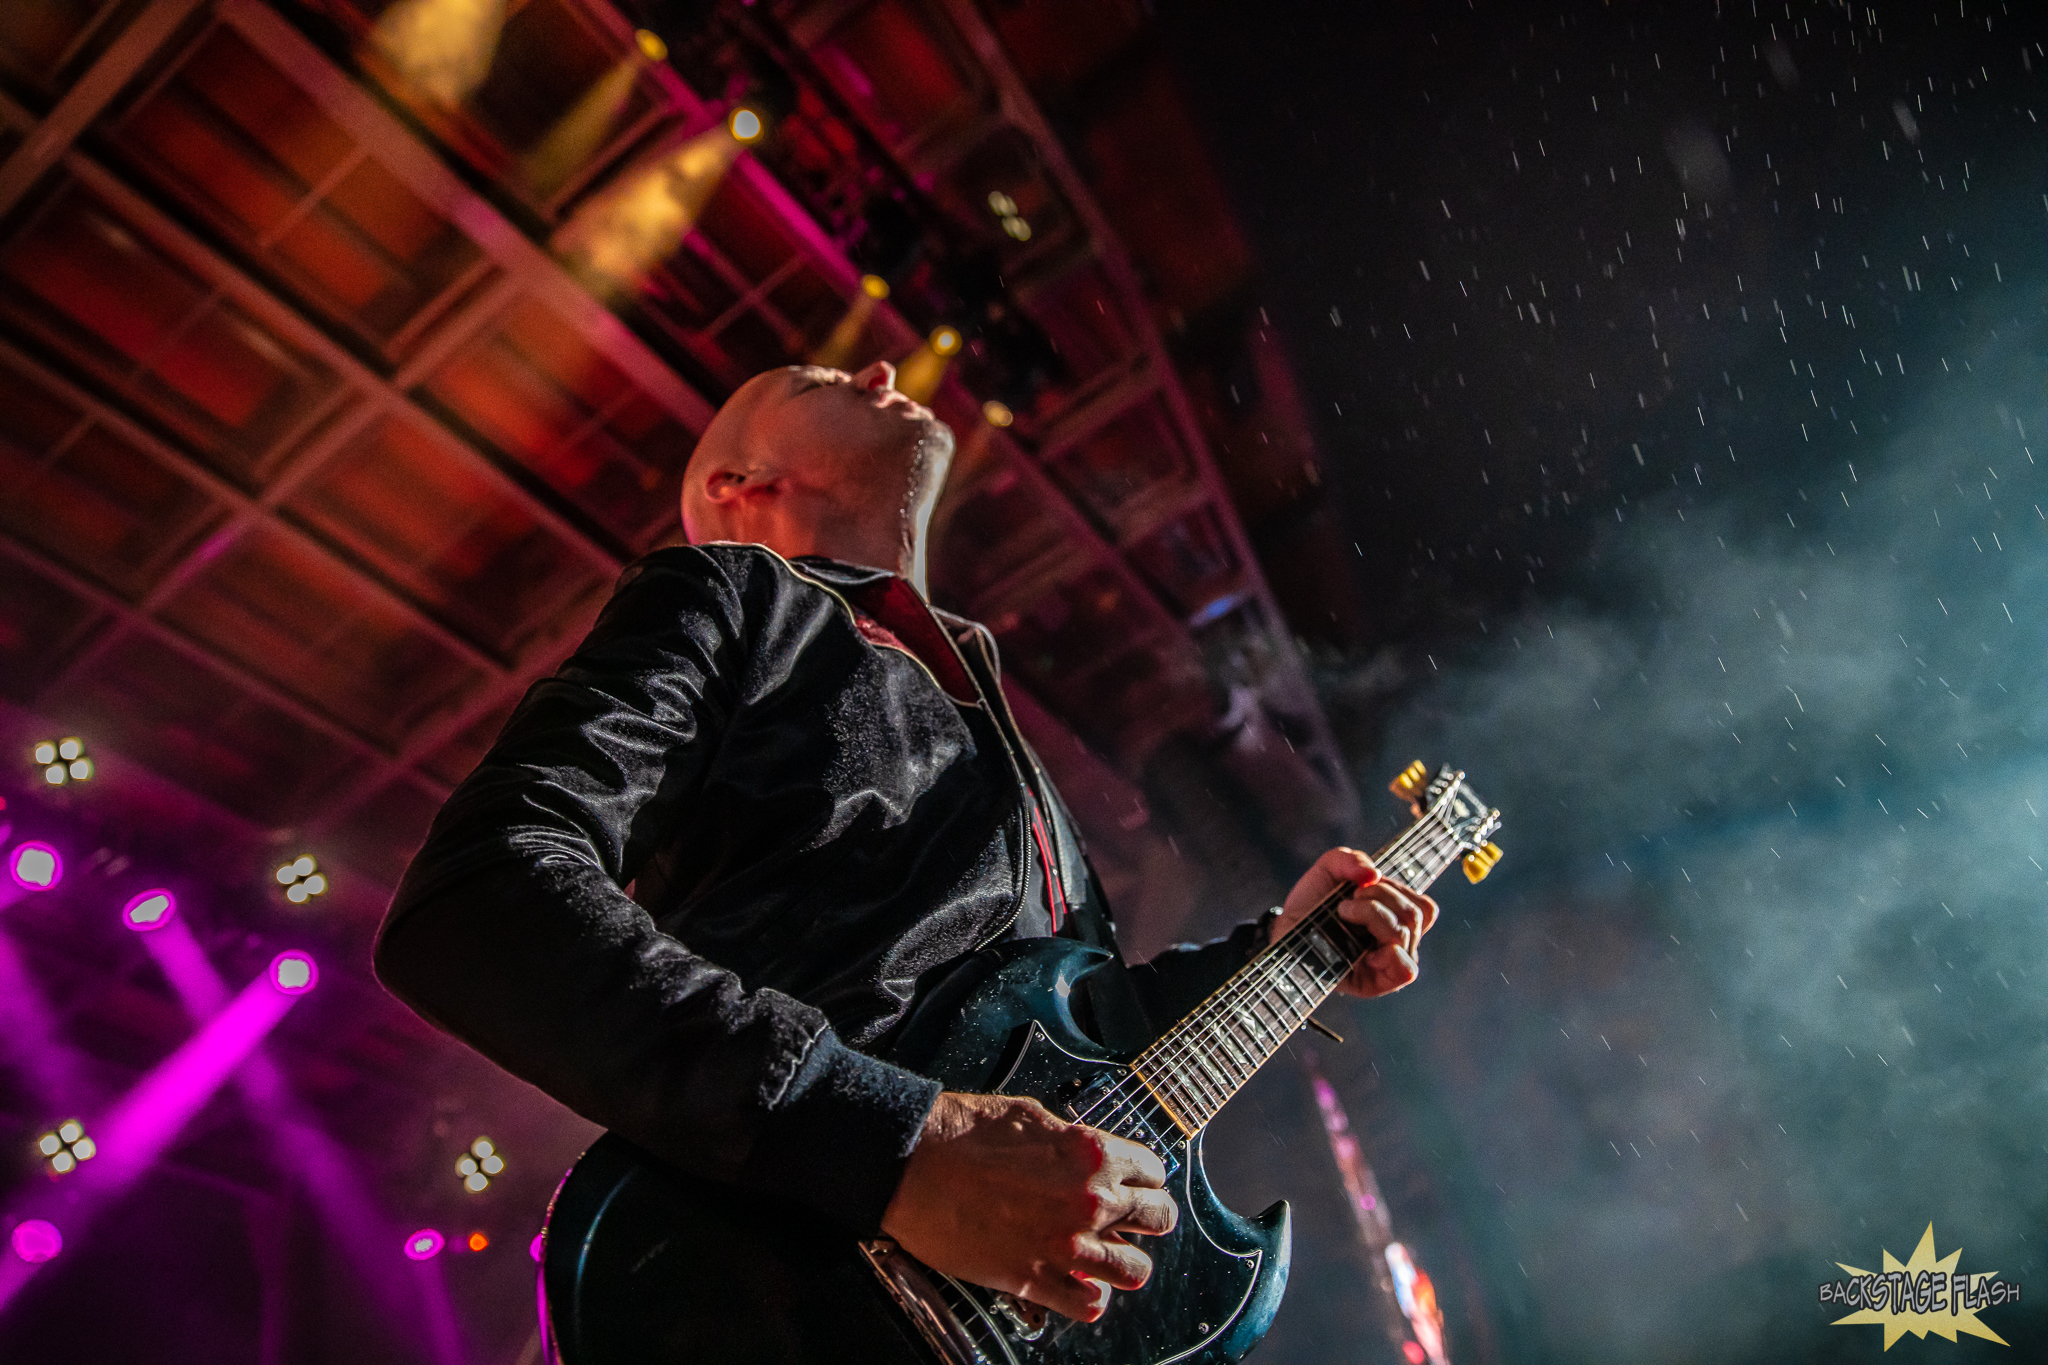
(1194, 1069)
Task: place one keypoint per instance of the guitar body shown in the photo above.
(647, 1266)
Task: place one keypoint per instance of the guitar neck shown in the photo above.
(1196, 1066)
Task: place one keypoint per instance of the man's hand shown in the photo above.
(1002, 1193)
(1394, 916)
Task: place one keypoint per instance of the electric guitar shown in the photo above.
(647, 1266)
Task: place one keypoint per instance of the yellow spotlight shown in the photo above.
(440, 48)
(842, 347)
(1002, 204)
(746, 125)
(631, 226)
(651, 46)
(921, 372)
(1017, 227)
(578, 134)
(997, 413)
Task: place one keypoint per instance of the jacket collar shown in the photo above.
(837, 573)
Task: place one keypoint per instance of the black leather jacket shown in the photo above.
(810, 827)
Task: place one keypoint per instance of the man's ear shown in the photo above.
(725, 486)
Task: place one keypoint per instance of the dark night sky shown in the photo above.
(1679, 371)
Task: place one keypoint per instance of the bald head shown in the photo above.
(808, 460)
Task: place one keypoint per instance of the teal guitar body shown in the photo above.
(645, 1265)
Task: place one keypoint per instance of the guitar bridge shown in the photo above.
(1027, 1320)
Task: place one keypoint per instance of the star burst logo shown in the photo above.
(1920, 1296)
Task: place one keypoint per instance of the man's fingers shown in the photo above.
(1151, 1212)
(1113, 1261)
(1131, 1163)
(1342, 867)
(1393, 912)
(1081, 1300)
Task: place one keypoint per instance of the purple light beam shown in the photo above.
(56, 1074)
(349, 1212)
(149, 1117)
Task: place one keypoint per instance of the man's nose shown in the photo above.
(880, 375)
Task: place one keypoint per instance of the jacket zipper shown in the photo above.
(1017, 763)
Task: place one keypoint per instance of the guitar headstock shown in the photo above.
(1449, 802)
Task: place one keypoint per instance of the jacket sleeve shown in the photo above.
(511, 931)
(1174, 981)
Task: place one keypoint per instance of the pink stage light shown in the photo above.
(294, 972)
(149, 911)
(424, 1245)
(35, 866)
(539, 1245)
(36, 1240)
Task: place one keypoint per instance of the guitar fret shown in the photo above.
(1265, 998)
(1303, 1003)
(1255, 1028)
(1224, 1087)
(1191, 1078)
(1231, 1052)
(1192, 1071)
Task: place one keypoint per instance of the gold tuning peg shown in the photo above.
(1480, 861)
(1410, 784)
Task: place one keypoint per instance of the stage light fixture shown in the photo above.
(35, 866)
(477, 1241)
(650, 44)
(301, 879)
(424, 1245)
(997, 413)
(37, 1240)
(149, 911)
(538, 1247)
(1005, 210)
(745, 125)
(63, 760)
(478, 1165)
(293, 972)
(65, 1146)
(875, 287)
(919, 375)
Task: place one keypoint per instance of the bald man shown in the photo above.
(704, 870)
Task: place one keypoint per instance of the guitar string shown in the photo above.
(1197, 1095)
(1183, 1044)
(1178, 1048)
(1176, 1052)
(1235, 995)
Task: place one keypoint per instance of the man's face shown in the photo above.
(855, 430)
(819, 456)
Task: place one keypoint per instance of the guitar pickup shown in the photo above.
(1125, 1118)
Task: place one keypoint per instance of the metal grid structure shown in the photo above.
(317, 456)
(313, 455)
